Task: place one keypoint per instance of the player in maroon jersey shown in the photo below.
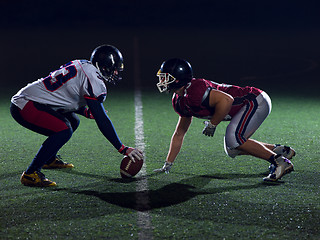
(245, 107)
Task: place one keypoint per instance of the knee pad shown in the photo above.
(231, 152)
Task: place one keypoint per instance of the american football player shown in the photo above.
(245, 107)
(49, 106)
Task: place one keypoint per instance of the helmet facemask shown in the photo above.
(165, 79)
(174, 74)
(110, 75)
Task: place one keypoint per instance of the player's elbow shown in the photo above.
(179, 134)
(229, 99)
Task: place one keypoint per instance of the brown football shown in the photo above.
(128, 168)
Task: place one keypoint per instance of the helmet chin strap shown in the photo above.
(97, 66)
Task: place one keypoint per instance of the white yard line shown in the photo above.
(142, 197)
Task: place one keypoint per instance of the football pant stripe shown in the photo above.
(251, 108)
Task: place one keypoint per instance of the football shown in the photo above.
(128, 168)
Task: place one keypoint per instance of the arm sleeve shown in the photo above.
(103, 121)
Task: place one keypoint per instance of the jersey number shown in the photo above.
(53, 83)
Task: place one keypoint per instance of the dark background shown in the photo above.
(271, 44)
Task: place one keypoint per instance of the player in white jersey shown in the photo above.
(49, 106)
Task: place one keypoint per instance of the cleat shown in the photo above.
(36, 179)
(283, 166)
(285, 151)
(57, 163)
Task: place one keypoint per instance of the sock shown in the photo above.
(273, 158)
(49, 149)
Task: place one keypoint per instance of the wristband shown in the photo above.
(210, 125)
(123, 149)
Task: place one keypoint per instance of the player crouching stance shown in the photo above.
(245, 107)
(49, 107)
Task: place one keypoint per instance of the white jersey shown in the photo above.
(65, 88)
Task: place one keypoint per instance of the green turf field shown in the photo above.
(206, 196)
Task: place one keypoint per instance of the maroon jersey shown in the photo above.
(195, 100)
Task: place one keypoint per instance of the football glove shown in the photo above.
(132, 153)
(209, 129)
(166, 167)
(87, 113)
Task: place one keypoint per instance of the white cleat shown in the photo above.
(283, 166)
(285, 151)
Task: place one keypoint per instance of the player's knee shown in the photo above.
(229, 150)
(74, 121)
(65, 135)
(75, 124)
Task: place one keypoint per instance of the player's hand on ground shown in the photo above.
(165, 168)
(209, 129)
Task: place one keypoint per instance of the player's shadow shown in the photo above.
(168, 195)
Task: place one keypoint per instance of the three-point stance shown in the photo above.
(49, 105)
(245, 107)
